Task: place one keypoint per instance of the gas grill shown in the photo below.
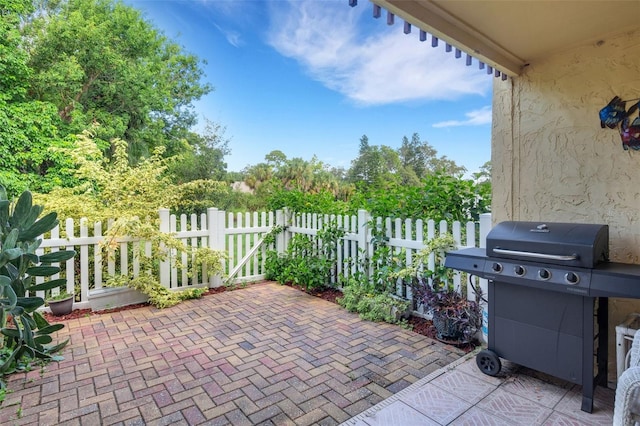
(547, 298)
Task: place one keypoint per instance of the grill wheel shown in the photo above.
(488, 362)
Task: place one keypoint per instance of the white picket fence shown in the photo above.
(240, 236)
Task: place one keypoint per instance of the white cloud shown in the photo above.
(233, 37)
(474, 118)
(224, 14)
(383, 67)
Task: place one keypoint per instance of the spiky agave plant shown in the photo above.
(27, 337)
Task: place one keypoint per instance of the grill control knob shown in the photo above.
(544, 274)
(571, 278)
(496, 267)
(520, 270)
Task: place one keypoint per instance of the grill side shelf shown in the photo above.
(616, 280)
(471, 260)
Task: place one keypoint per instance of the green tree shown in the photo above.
(275, 159)
(112, 188)
(100, 61)
(72, 64)
(483, 186)
(279, 172)
(28, 128)
(258, 174)
(132, 195)
(419, 159)
(375, 166)
(414, 156)
(203, 157)
(14, 71)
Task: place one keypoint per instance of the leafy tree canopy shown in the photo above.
(100, 61)
(66, 65)
(313, 176)
(203, 156)
(382, 167)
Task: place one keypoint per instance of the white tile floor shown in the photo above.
(460, 394)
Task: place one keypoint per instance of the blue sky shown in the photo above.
(310, 77)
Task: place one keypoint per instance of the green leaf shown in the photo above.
(30, 304)
(27, 350)
(30, 256)
(11, 240)
(50, 329)
(21, 209)
(12, 271)
(58, 256)
(40, 353)
(45, 224)
(10, 332)
(26, 317)
(31, 218)
(43, 271)
(43, 339)
(18, 287)
(40, 321)
(57, 347)
(12, 253)
(17, 311)
(27, 333)
(48, 285)
(6, 367)
(4, 212)
(10, 295)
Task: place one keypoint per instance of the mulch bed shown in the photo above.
(418, 324)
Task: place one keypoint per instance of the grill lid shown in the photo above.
(572, 244)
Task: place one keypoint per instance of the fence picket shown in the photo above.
(173, 270)
(247, 243)
(111, 265)
(55, 233)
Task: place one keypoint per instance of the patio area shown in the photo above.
(266, 354)
(273, 355)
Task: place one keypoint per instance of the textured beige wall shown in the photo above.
(551, 159)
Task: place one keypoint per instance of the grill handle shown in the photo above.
(536, 255)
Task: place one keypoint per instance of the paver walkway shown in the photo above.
(460, 395)
(267, 354)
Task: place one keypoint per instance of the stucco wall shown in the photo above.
(551, 159)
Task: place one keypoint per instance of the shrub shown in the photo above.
(308, 262)
(26, 334)
(454, 317)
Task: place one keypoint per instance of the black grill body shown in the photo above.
(547, 299)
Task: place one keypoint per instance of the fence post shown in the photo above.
(216, 229)
(84, 262)
(364, 238)
(485, 227)
(280, 236)
(282, 240)
(165, 265)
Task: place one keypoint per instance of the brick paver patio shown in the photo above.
(266, 354)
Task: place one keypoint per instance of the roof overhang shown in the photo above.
(508, 35)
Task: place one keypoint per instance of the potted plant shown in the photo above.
(61, 304)
(456, 319)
